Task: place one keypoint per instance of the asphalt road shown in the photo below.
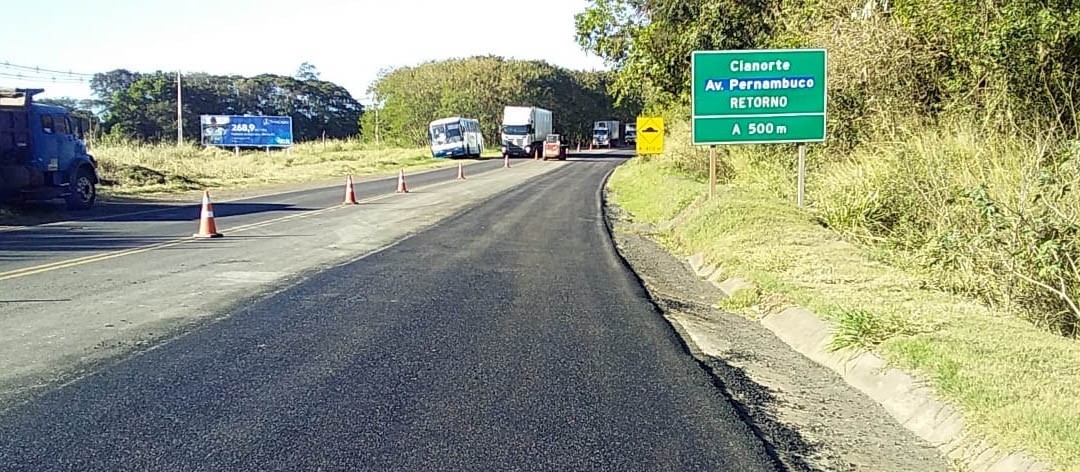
(118, 226)
(509, 337)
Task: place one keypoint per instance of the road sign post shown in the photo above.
(712, 172)
(765, 96)
(802, 175)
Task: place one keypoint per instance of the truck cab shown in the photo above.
(606, 134)
(524, 129)
(630, 137)
(42, 152)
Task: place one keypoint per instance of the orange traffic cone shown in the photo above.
(506, 161)
(350, 194)
(461, 171)
(207, 228)
(401, 182)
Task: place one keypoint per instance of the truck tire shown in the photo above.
(83, 191)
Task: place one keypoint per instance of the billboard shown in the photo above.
(246, 131)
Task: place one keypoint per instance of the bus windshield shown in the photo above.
(448, 133)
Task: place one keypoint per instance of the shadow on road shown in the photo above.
(29, 245)
(192, 212)
(43, 300)
(37, 214)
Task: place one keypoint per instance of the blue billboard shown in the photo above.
(246, 131)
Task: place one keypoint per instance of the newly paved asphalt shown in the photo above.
(509, 337)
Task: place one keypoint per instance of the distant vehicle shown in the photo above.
(524, 130)
(630, 137)
(456, 137)
(554, 148)
(42, 152)
(606, 133)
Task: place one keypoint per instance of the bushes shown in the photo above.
(976, 212)
(937, 149)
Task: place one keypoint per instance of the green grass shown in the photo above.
(649, 203)
(741, 300)
(162, 169)
(1016, 383)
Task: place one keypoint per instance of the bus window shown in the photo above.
(453, 132)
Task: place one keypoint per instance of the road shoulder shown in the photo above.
(813, 419)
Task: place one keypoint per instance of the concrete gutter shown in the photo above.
(904, 397)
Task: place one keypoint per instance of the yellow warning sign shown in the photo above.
(650, 135)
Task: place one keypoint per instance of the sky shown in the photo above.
(349, 42)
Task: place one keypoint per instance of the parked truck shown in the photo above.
(524, 130)
(42, 152)
(606, 134)
(630, 137)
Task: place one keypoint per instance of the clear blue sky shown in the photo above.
(348, 41)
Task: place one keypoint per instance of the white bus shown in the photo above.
(456, 137)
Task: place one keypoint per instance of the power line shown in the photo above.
(36, 69)
(43, 78)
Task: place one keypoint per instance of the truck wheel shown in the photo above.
(83, 192)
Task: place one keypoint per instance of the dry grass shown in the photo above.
(162, 169)
(1016, 383)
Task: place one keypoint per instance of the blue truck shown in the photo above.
(42, 152)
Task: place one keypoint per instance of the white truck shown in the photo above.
(524, 130)
(630, 137)
(606, 134)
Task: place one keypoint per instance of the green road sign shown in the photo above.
(758, 96)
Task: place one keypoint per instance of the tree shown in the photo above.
(145, 108)
(479, 87)
(105, 84)
(306, 72)
(649, 42)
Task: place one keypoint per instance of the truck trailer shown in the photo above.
(524, 130)
(42, 152)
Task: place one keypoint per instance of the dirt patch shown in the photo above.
(812, 419)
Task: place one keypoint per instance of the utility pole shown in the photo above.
(375, 105)
(179, 112)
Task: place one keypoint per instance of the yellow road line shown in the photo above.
(34, 270)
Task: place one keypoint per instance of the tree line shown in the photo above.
(479, 87)
(143, 106)
(910, 83)
(993, 61)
